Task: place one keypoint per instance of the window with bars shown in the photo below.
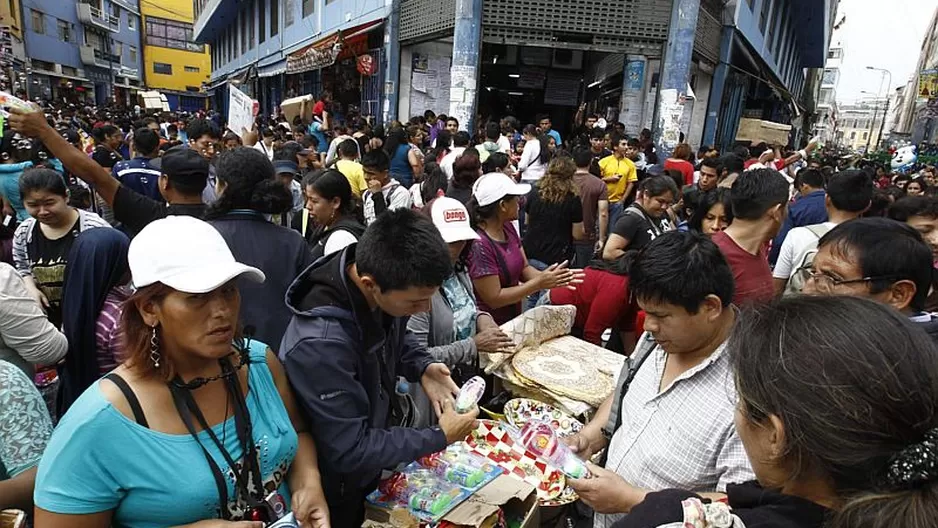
(764, 15)
(65, 30)
(289, 11)
(261, 19)
(167, 33)
(38, 21)
(274, 17)
(251, 27)
(192, 69)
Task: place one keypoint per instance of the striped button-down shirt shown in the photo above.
(682, 436)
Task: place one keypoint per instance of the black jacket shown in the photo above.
(334, 352)
(753, 504)
(320, 237)
(280, 253)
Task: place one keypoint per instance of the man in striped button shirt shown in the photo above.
(675, 426)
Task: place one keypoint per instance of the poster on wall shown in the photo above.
(669, 119)
(631, 104)
(430, 84)
(240, 111)
(928, 84)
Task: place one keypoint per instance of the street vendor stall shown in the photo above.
(559, 381)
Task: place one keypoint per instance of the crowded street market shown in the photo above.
(400, 274)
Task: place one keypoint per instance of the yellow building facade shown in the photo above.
(173, 63)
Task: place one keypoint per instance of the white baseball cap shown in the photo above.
(494, 186)
(186, 254)
(452, 219)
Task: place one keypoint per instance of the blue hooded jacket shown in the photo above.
(333, 352)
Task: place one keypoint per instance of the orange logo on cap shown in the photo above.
(454, 215)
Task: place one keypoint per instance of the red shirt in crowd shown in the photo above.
(602, 301)
(750, 272)
(685, 167)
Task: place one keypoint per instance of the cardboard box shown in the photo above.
(298, 106)
(517, 498)
(757, 131)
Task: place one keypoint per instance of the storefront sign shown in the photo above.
(366, 65)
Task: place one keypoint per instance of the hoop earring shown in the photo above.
(154, 348)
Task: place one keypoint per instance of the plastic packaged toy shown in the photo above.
(458, 467)
(539, 438)
(470, 394)
(422, 491)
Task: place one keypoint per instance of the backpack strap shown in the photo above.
(131, 398)
(629, 369)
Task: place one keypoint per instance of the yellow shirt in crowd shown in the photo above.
(613, 166)
(355, 174)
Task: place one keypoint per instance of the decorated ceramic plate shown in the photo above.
(494, 443)
(521, 410)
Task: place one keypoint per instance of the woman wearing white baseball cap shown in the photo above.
(454, 330)
(499, 269)
(196, 417)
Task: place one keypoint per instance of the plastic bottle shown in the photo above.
(539, 438)
(457, 467)
(470, 394)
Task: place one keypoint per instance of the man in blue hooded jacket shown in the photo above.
(348, 343)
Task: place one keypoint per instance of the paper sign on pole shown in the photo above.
(240, 111)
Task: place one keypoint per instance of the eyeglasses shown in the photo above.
(826, 284)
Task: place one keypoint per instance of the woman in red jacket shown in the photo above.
(602, 301)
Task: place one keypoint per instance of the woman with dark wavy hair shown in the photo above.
(838, 413)
(248, 190)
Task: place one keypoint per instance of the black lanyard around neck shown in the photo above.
(250, 473)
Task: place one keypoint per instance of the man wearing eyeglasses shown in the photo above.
(879, 259)
(849, 194)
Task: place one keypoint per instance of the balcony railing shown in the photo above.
(92, 16)
(91, 56)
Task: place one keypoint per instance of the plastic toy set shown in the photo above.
(435, 484)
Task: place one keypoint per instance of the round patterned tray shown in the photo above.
(494, 443)
(521, 410)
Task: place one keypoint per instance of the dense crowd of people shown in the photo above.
(207, 328)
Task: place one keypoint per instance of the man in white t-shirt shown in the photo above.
(460, 144)
(849, 194)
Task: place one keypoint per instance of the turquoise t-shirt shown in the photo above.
(100, 460)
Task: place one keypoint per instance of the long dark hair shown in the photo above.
(434, 181)
(97, 263)
(331, 184)
(544, 156)
(250, 183)
(705, 202)
(396, 138)
(855, 385)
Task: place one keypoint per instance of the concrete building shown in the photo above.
(174, 63)
(549, 56)
(12, 48)
(918, 116)
(858, 125)
(274, 49)
(826, 126)
(83, 52)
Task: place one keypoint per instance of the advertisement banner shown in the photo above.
(631, 104)
(928, 84)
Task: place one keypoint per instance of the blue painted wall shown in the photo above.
(130, 37)
(47, 46)
(747, 23)
(325, 19)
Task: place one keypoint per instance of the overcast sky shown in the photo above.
(881, 34)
